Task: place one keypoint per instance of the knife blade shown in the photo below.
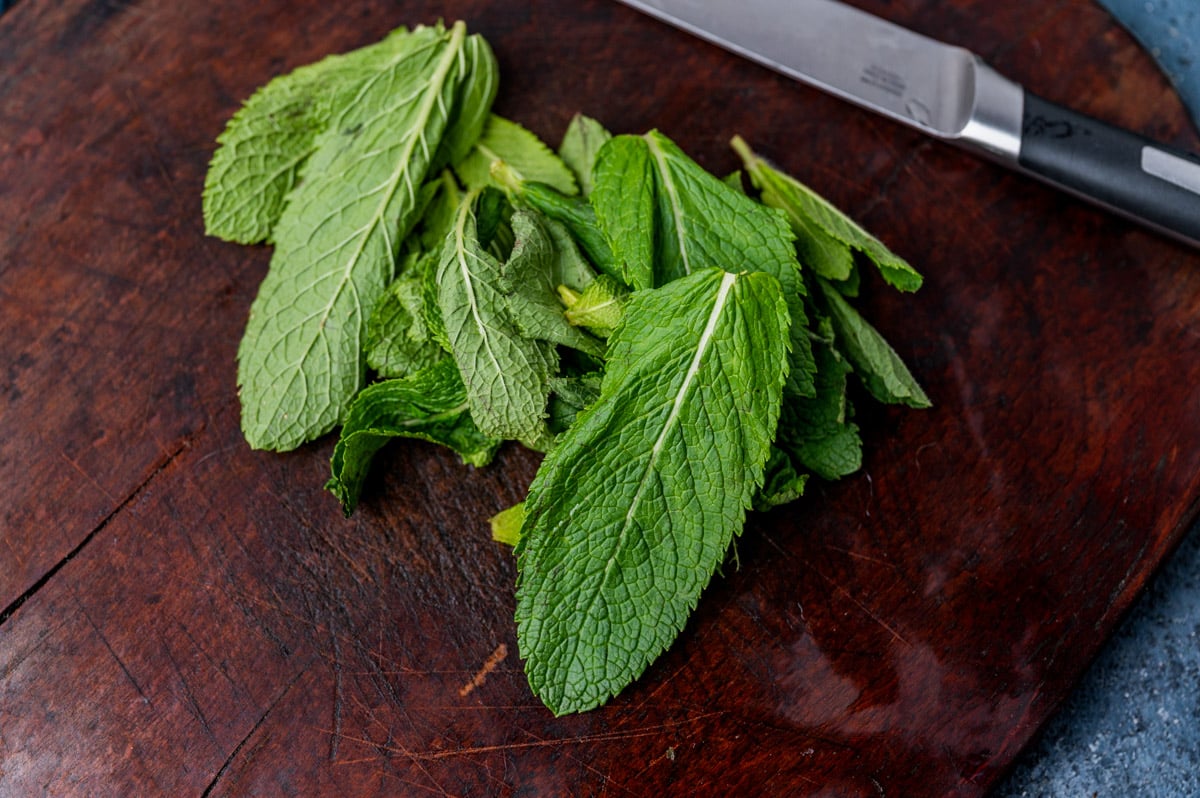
(950, 93)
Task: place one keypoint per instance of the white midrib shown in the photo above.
(677, 403)
(673, 195)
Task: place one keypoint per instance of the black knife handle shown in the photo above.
(1113, 167)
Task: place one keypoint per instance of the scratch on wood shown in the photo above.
(79, 470)
(44, 634)
(867, 610)
(192, 704)
(120, 662)
(237, 749)
(51, 572)
(858, 556)
(489, 666)
(603, 737)
(869, 613)
(338, 694)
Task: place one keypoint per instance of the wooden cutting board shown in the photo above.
(187, 617)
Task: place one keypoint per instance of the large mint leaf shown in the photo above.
(301, 361)
(267, 141)
(430, 405)
(635, 507)
(507, 375)
(526, 154)
(825, 235)
(649, 190)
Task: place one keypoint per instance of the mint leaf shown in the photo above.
(398, 340)
(506, 524)
(695, 221)
(438, 218)
(816, 431)
(301, 361)
(782, 483)
(599, 308)
(530, 281)
(473, 103)
(632, 511)
(825, 235)
(574, 213)
(493, 220)
(570, 396)
(524, 152)
(430, 405)
(268, 140)
(570, 267)
(506, 374)
(703, 222)
(875, 362)
(580, 144)
(623, 197)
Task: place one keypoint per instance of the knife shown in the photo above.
(950, 93)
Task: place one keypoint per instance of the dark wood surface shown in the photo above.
(183, 616)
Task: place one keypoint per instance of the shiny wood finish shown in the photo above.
(188, 617)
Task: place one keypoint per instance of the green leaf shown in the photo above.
(574, 213)
(301, 361)
(493, 222)
(430, 405)
(623, 197)
(695, 221)
(826, 236)
(266, 143)
(570, 267)
(524, 152)
(438, 218)
(582, 141)
(816, 431)
(599, 308)
(472, 108)
(633, 510)
(875, 362)
(506, 524)
(506, 374)
(569, 397)
(530, 281)
(782, 483)
(398, 340)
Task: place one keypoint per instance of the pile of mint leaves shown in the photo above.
(679, 346)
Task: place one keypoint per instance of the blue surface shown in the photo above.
(1132, 725)
(1170, 31)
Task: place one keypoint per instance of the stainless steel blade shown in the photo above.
(942, 90)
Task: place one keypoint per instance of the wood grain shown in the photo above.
(182, 616)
